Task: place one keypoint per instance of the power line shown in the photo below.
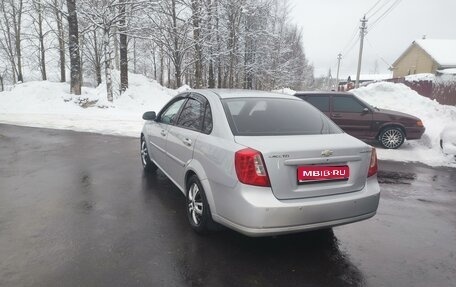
(380, 8)
(378, 54)
(352, 38)
(351, 47)
(388, 11)
(368, 11)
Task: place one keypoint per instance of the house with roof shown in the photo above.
(426, 56)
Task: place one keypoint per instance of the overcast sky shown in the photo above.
(329, 25)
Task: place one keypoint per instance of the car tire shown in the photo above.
(147, 164)
(198, 211)
(391, 137)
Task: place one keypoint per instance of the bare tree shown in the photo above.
(37, 15)
(93, 53)
(110, 16)
(234, 11)
(73, 45)
(197, 15)
(123, 48)
(2, 77)
(11, 26)
(211, 8)
(57, 8)
(215, 43)
(101, 15)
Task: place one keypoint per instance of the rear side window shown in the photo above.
(347, 105)
(320, 102)
(192, 114)
(275, 116)
(207, 123)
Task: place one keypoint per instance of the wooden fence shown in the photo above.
(443, 92)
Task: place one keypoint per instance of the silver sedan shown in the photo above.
(260, 163)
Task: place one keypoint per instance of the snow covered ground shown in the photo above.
(49, 104)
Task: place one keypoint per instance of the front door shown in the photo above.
(351, 115)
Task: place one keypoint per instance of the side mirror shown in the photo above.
(365, 110)
(149, 116)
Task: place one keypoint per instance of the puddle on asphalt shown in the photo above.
(86, 206)
(395, 177)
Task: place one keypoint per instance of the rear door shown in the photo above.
(351, 115)
(183, 136)
(321, 102)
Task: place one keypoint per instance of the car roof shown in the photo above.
(239, 93)
(305, 93)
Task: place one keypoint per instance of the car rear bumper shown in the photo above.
(255, 211)
(414, 133)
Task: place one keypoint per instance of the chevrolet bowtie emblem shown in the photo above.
(326, 153)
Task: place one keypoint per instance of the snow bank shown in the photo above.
(420, 77)
(451, 71)
(49, 104)
(184, 88)
(435, 116)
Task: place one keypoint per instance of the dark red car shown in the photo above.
(364, 121)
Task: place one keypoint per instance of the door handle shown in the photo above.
(336, 115)
(187, 142)
(163, 133)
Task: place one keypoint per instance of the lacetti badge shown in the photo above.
(326, 153)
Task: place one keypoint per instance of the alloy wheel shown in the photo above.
(392, 138)
(195, 204)
(144, 153)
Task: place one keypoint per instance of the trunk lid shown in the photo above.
(284, 154)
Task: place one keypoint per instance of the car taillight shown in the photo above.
(250, 167)
(373, 166)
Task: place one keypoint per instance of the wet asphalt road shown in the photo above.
(77, 210)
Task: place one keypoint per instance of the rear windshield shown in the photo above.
(275, 116)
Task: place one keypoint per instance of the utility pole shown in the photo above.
(339, 57)
(361, 42)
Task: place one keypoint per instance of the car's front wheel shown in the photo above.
(147, 164)
(392, 137)
(198, 211)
